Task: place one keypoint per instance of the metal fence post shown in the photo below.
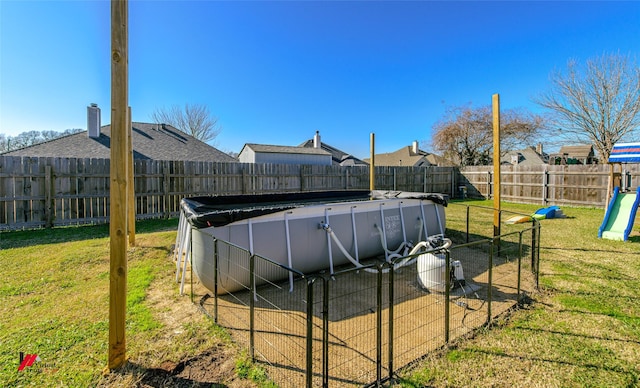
(534, 231)
(535, 252)
(379, 325)
(191, 271)
(519, 265)
(215, 279)
(252, 305)
(468, 209)
(391, 303)
(490, 280)
(325, 332)
(545, 186)
(447, 286)
(309, 355)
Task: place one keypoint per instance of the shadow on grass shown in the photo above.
(634, 239)
(561, 333)
(25, 238)
(590, 250)
(631, 372)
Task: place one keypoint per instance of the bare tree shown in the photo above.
(194, 119)
(596, 104)
(4, 143)
(26, 139)
(465, 135)
(29, 138)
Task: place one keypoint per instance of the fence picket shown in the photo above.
(78, 190)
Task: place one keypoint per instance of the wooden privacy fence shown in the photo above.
(44, 192)
(577, 185)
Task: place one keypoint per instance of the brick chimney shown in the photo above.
(539, 148)
(93, 121)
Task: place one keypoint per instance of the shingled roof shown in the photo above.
(150, 141)
(528, 156)
(277, 149)
(338, 157)
(409, 156)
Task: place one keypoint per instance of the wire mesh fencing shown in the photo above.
(360, 324)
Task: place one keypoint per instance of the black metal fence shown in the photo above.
(360, 325)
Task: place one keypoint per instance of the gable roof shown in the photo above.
(338, 157)
(405, 156)
(525, 157)
(150, 141)
(276, 149)
(577, 151)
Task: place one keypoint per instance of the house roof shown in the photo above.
(338, 157)
(526, 157)
(150, 141)
(405, 156)
(276, 149)
(577, 151)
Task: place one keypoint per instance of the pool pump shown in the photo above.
(432, 272)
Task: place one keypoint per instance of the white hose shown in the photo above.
(408, 261)
(384, 246)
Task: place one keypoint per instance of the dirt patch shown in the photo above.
(212, 368)
(419, 327)
(163, 363)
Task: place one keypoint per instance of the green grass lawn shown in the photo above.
(55, 303)
(583, 328)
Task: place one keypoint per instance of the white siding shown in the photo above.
(247, 155)
(284, 158)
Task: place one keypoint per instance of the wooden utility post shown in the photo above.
(372, 165)
(131, 190)
(118, 183)
(496, 165)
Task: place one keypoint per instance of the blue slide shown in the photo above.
(620, 216)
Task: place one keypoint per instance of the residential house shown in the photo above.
(409, 156)
(338, 157)
(575, 154)
(530, 156)
(149, 141)
(264, 153)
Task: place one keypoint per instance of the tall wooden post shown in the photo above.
(496, 164)
(118, 183)
(372, 165)
(131, 190)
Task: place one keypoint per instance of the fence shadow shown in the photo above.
(26, 238)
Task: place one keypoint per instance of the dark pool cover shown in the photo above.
(202, 212)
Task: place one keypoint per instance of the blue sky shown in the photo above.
(274, 72)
